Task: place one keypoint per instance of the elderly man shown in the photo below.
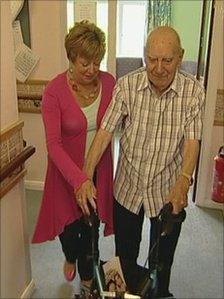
(160, 109)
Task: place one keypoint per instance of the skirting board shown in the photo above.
(211, 205)
(34, 185)
(29, 290)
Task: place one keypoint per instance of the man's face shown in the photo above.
(163, 58)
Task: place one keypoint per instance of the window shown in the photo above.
(70, 14)
(131, 16)
(131, 27)
(102, 23)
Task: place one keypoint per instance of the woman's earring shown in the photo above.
(70, 68)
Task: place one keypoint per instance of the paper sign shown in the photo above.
(85, 10)
(25, 61)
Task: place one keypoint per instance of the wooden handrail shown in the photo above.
(8, 169)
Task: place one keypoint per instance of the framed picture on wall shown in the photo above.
(29, 95)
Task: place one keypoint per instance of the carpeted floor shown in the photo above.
(198, 265)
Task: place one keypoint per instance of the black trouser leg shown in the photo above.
(166, 250)
(128, 230)
(76, 241)
(69, 239)
(85, 258)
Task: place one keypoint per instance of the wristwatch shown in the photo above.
(188, 177)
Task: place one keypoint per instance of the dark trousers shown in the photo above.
(76, 241)
(128, 230)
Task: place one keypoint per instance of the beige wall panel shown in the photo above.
(47, 41)
(14, 259)
(9, 111)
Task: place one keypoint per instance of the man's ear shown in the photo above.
(181, 54)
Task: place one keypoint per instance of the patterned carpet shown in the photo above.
(198, 265)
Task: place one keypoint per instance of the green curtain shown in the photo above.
(159, 14)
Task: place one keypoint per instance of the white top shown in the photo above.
(91, 116)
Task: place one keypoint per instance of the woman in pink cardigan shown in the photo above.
(73, 105)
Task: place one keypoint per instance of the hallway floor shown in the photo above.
(198, 265)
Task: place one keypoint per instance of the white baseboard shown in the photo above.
(29, 290)
(210, 204)
(34, 185)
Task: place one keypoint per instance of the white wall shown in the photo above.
(213, 136)
(14, 259)
(47, 30)
(9, 110)
(33, 133)
(186, 19)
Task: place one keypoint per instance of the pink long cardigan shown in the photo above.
(66, 130)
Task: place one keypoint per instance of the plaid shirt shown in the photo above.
(153, 133)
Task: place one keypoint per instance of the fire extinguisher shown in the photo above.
(218, 183)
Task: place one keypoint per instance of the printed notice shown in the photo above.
(85, 11)
(25, 61)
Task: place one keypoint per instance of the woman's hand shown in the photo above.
(86, 195)
(178, 195)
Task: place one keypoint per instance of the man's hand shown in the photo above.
(86, 195)
(178, 195)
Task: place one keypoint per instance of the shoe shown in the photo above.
(165, 296)
(69, 271)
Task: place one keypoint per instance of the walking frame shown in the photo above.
(148, 277)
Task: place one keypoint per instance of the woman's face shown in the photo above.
(85, 71)
(111, 286)
(118, 279)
